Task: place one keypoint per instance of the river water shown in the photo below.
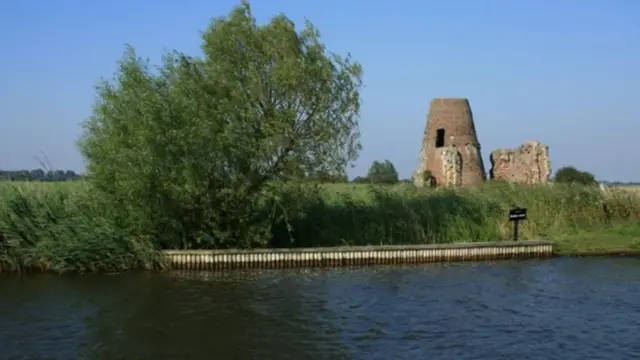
(553, 309)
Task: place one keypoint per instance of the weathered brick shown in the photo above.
(454, 117)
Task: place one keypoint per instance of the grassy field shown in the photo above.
(630, 189)
(60, 226)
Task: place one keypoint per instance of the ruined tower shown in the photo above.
(450, 148)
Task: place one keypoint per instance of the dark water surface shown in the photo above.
(554, 309)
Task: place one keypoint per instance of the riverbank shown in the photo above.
(612, 240)
(62, 226)
(356, 255)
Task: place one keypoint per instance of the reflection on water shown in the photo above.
(554, 309)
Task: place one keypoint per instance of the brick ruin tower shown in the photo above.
(450, 148)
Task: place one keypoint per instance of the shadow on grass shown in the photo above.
(444, 217)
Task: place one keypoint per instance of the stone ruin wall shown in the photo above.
(527, 164)
(446, 165)
(418, 178)
(451, 162)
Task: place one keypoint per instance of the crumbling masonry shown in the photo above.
(450, 148)
(450, 154)
(527, 164)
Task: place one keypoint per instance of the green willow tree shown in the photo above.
(189, 154)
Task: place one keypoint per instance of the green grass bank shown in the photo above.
(62, 226)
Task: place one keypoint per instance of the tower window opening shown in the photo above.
(439, 138)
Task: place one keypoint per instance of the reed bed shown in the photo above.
(58, 227)
(62, 226)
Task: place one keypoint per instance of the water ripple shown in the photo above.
(557, 309)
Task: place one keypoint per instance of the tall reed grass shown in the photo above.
(63, 226)
(60, 227)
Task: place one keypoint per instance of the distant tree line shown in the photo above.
(621, 183)
(39, 175)
(380, 172)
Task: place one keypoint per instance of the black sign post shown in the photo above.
(515, 215)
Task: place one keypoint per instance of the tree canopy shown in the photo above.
(189, 150)
(382, 172)
(571, 175)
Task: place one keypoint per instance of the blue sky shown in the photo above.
(563, 72)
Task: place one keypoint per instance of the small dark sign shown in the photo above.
(517, 214)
